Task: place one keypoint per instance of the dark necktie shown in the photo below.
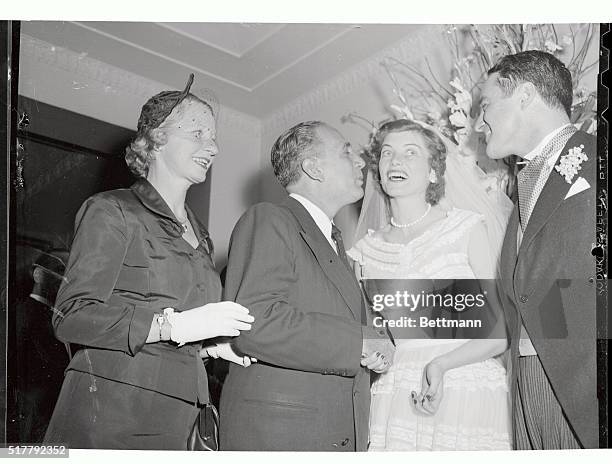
(337, 238)
(530, 176)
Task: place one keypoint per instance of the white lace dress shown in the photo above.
(474, 412)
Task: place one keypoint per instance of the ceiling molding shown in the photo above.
(263, 39)
(346, 82)
(195, 38)
(122, 83)
(130, 85)
(163, 57)
(302, 57)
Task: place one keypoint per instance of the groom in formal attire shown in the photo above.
(547, 269)
(310, 388)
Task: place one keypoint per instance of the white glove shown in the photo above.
(211, 320)
(225, 351)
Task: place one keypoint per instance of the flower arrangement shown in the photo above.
(447, 102)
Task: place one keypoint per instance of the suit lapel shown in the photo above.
(330, 263)
(550, 199)
(509, 252)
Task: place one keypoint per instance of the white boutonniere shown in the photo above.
(569, 164)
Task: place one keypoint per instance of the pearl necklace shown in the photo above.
(413, 223)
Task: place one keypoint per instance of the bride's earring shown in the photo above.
(433, 178)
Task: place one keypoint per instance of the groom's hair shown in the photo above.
(291, 148)
(551, 78)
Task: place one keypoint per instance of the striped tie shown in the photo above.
(530, 179)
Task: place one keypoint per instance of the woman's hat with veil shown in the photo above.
(159, 106)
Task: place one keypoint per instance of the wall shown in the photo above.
(86, 86)
(235, 177)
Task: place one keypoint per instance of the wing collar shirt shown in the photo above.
(548, 167)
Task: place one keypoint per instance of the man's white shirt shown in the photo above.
(323, 221)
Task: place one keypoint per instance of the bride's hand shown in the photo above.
(432, 389)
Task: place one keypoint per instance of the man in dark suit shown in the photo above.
(547, 269)
(309, 390)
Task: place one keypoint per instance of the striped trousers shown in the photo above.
(539, 422)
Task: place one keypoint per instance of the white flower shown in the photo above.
(569, 165)
(464, 101)
(435, 115)
(458, 119)
(403, 112)
(461, 136)
(552, 47)
(463, 98)
(581, 94)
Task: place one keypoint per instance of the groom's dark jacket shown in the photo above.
(551, 283)
(307, 391)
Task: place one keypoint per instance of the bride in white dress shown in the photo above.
(438, 394)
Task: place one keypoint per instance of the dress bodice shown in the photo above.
(441, 252)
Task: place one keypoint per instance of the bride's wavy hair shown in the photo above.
(433, 143)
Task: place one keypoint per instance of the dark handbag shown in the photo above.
(204, 435)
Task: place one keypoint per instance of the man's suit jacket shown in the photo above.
(550, 282)
(308, 390)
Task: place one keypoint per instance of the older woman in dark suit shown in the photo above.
(140, 289)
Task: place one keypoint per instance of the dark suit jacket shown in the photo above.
(308, 391)
(550, 284)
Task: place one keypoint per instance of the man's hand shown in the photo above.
(225, 351)
(376, 362)
(377, 354)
